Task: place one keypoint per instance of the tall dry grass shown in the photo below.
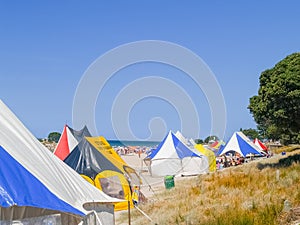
(251, 194)
(290, 148)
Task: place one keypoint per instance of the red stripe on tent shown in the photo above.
(214, 144)
(259, 143)
(62, 149)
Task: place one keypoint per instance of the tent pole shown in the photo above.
(141, 165)
(129, 222)
(143, 213)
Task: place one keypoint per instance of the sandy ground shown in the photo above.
(150, 185)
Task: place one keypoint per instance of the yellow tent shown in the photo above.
(99, 164)
(210, 155)
(126, 179)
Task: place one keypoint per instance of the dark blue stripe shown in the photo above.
(245, 147)
(181, 149)
(19, 187)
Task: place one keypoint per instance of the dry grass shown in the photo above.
(250, 194)
(290, 148)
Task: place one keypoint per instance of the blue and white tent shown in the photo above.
(172, 157)
(241, 144)
(35, 183)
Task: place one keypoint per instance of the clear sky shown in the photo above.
(46, 48)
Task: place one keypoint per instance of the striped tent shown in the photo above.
(69, 139)
(241, 144)
(35, 183)
(172, 157)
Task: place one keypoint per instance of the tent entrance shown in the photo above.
(115, 185)
(112, 186)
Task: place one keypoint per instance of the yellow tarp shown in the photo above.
(210, 155)
(107, 151)
(105, 146)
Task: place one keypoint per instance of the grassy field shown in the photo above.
(253, 193)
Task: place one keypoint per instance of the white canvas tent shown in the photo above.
(189, 143)
(199, 150)
(35, 183)
(184, 140)
(241, 144)
(172, 157)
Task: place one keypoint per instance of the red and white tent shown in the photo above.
(260, 145)
(69, 139)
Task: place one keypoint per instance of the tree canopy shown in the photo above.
(276, 108)
(54, 136)
(251, 133)
(211, 138)
(199, 141)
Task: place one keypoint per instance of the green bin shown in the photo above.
(169, 182)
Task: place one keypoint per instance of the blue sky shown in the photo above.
(46, 48)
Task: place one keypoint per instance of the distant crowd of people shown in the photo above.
(125, 150)
(223, 161)
(235, 160)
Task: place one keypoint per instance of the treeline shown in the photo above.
(276, 107)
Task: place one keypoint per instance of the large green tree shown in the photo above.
(276, 108)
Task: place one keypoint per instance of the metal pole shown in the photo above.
(129, 222)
